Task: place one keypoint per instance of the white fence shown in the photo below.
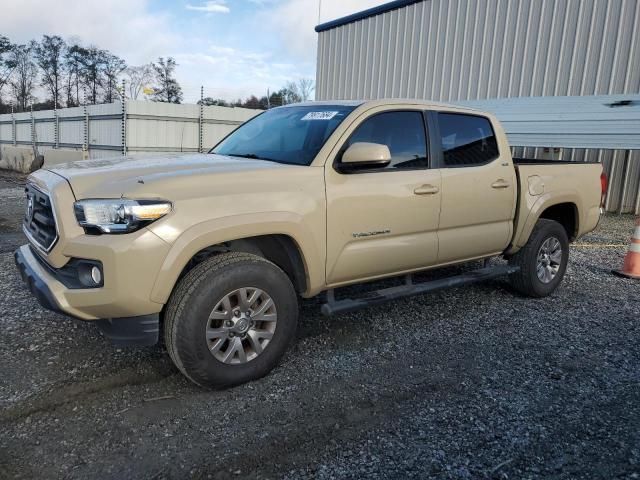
(115, 129)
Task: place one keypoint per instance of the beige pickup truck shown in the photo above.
(211, 251)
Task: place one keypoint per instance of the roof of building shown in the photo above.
(371, 12)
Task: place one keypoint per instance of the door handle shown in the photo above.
(426, 190)
(500, 183)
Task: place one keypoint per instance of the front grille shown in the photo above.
(39, 222)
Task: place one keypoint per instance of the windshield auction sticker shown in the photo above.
(319, 116)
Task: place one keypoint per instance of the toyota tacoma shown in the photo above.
(210, 252)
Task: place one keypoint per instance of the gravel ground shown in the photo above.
(469, 383)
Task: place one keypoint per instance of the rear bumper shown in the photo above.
(138, 330)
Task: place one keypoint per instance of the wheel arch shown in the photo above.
(566, 214)
(561, 207)
(279, 249)
(287, 244)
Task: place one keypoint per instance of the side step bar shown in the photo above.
(376, 297)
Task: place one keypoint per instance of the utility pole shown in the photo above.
(13, 125)
(56, 125)
(85, 125)
(33, 132)
(124, 118)
(201, 119)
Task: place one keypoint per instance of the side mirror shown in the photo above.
(365, 155)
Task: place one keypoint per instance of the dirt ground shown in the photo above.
(469, 383)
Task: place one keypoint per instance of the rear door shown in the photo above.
(479, 187)
(383, 221)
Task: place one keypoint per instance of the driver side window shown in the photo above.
(402, 132)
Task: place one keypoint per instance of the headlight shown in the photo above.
(119, 215)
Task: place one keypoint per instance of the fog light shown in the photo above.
(96, 275)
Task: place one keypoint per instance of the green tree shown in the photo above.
(49, 55)
(251, 102)
(167, 87)
(5, 68)
(93, 77)
(208, 101)
(73, 59)
(113, 67)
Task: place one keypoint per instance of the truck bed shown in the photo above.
(540, 161)
(545, 183)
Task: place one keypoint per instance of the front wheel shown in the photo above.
(230, 320)
(542, 261)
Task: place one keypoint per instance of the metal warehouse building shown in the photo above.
(471, 50)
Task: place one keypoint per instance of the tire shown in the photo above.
(527, 281)
(192, 327)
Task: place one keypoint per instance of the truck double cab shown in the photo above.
(211, 251)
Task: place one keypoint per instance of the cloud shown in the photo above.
(211, 6)
(125, 27)
(294, 21)
(232, 73)
(220, 50)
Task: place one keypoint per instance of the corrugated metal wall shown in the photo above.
(577, 121)
(448, 50)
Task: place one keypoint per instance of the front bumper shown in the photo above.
(130, 265)
(34, 282)
(140, 330)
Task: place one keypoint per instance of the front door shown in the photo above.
(385, 220)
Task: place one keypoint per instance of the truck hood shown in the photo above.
(125, 176)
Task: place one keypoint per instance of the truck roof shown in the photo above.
(386, 101)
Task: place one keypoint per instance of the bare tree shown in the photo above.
(137, 78)
(24, 74)
(290, 93)
(49, 55)
(305, 87)
(168, 89)
(113, 67)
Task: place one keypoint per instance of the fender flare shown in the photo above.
(237, 227)
(541, 204)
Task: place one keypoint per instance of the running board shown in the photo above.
(376, 297)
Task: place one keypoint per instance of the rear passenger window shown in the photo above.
(402, 132)
(466, 140)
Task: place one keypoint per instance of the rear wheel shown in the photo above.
(230, 320)
(542, 261)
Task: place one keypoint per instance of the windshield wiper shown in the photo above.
(252, 156)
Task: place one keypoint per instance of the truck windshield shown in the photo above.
(292, 134)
